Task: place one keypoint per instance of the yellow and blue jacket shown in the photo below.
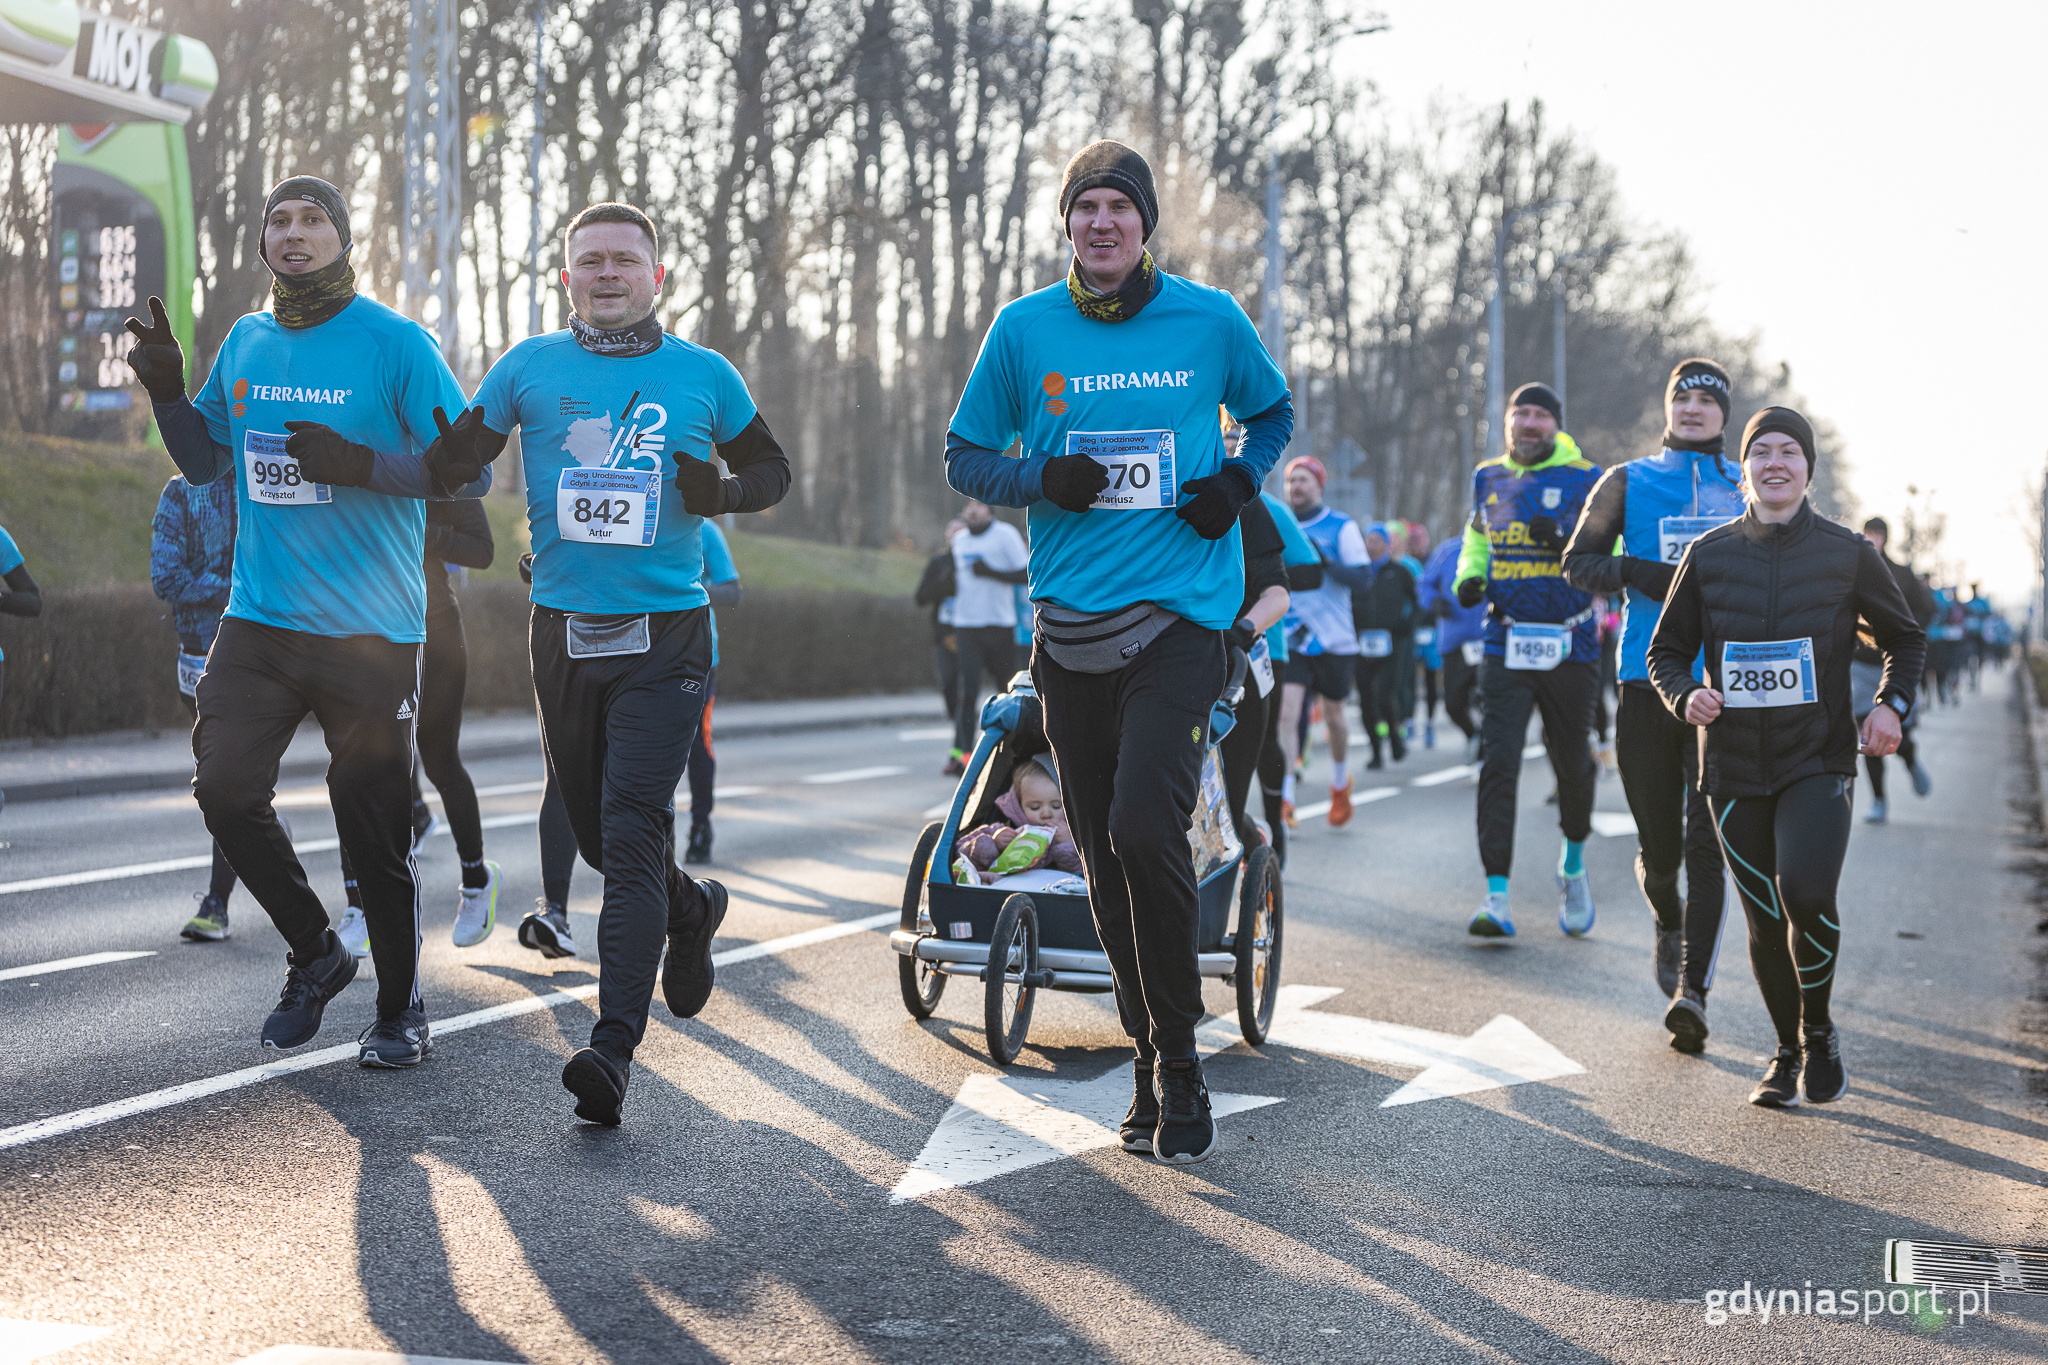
(1525, 581)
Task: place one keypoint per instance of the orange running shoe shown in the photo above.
(1340, 803)
(1287, 814)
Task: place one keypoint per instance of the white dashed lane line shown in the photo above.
(65, 964)
(853, 775)
(58, 1124)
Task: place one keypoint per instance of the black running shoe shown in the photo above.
(1397, 746)
(1187, 1131)
(1779, 1089)
(307, 989)
(1825, 1078)
(546, 930)
(599, 1083)
(393, 1044)
(1143, 1118)
(1670, 958)
(1687, 1020)
(699, 850)
(686, 975)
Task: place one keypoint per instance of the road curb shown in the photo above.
(166, 779)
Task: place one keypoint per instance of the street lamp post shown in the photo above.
(540, 114)
(1496, 320)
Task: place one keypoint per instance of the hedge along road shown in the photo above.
(745, 1207)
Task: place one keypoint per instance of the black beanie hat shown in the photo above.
(316, 191)
(1783, 422)
(1703, 374)
(1541, 395)
(1116, 166)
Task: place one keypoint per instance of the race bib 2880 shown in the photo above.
(1767, 673)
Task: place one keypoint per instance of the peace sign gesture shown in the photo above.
(156, 358)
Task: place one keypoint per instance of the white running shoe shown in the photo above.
(1877, 813)
(353, 932)
(1575, 904)
(1923, 781)
(477, 912)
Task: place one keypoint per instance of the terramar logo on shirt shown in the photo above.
(1056, 384)
(246, 393)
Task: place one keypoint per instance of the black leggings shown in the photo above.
(444, 676)
(1873, 764)
(703, 765)
(557, 844)
(221, 884)
(1243, 747)
(1659, 758)
(1273, 773)
(1795, 931)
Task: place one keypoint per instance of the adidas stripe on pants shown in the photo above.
(260, 682)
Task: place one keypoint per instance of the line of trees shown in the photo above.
(849, 189)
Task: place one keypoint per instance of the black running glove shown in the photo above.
(1073, 482)
(1544, 535)
(156, 357)
(1471, 592)
(458, 455)
(704, 490)
(1243, 634)
(326, 456)
(1218, 500)
(526, 568)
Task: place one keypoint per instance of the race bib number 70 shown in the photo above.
(1140, 465)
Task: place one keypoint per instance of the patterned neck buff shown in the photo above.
(642, 338)
(301, 301)
(1137, 290)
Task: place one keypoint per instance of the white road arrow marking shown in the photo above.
(21, 1342)
(1611, 824)
(1001, 1124)
(1505, 1051)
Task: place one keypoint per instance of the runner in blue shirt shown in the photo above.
(1111, 379)
(1638, 521)
(621, 628)
(325, 412)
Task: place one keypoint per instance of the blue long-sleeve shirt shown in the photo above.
(192, 555)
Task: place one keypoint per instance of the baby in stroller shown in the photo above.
(983, 855)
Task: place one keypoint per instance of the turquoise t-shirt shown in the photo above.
(613, 426)
(1046, 372)
(1295, 548)
(350, 565)
(10, 559)
(718, 568)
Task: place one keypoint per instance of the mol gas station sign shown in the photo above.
(122, 228)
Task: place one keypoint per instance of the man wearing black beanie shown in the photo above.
(329, 412)
(1111, 379)
(1653, 508)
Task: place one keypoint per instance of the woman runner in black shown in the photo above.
(1774, 598)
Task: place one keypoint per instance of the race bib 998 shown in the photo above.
(273, 477)
(1767, 673)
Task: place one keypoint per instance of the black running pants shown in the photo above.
(703, 764)
(1244, 746)
(1130, 747)
(557, 845)
(983, 649)
(1659, 759)
(260, 682)
(1564, 698)
(1785, 852)
(1460, 679)
(617, 729)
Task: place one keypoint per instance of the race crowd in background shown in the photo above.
(1680, 618)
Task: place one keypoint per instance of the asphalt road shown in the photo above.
(745, 1210)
